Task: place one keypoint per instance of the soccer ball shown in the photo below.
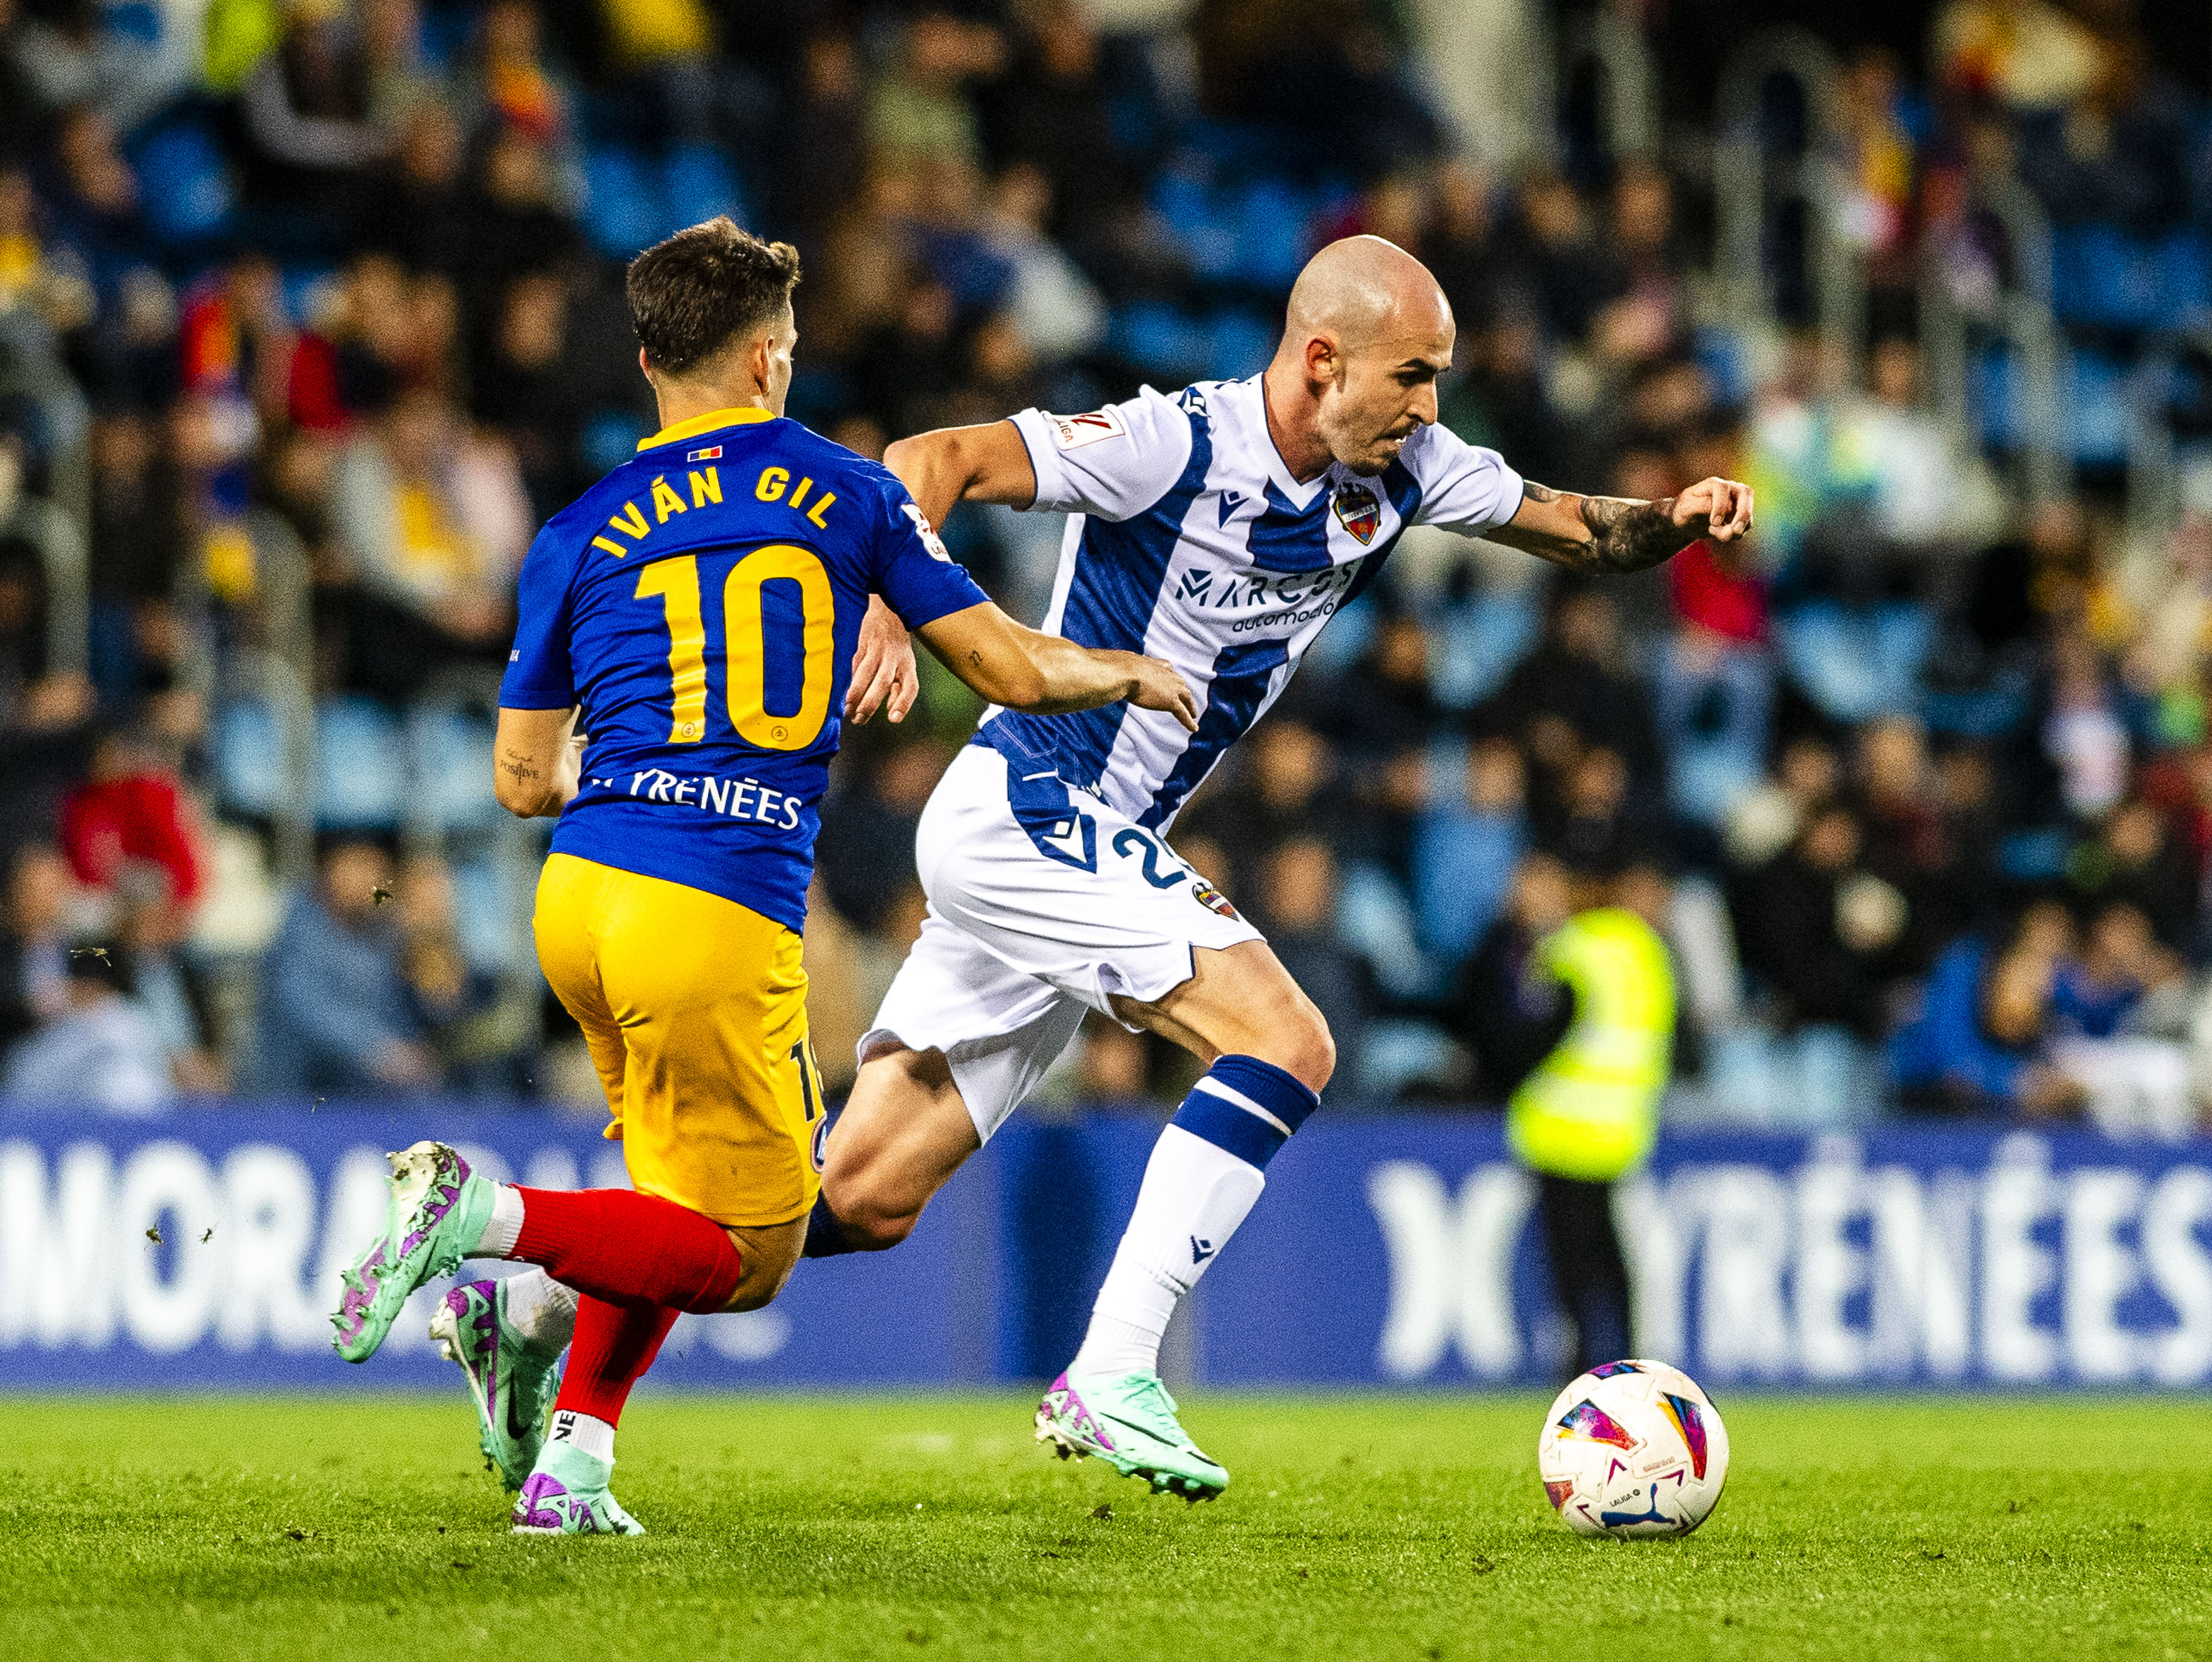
(1633, 1448)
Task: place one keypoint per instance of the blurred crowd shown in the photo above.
(1921, 776)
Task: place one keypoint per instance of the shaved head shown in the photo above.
(1366, 334)
(1362, 289)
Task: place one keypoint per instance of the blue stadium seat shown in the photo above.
(1479, 643)
(610, 437)
(624, 204)
(245, 774)
(1165, 344)
(450, 776)
(482, 910)
(699, 183)
(360, 766)
(184, 187)
(1717, 720)
(2097, 410)
(1243, 342)
(1856, 662)
(2104, 277)
(1273, 222)
(1205, 233)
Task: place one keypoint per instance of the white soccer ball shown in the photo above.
(1633, 1448)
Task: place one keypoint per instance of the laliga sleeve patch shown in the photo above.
(922, 529)
(1074, 432)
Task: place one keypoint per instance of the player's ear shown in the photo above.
(1322, 365)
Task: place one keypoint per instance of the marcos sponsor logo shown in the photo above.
(1074, 432)
(1264, 599)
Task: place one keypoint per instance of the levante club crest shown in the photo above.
(1356, 505)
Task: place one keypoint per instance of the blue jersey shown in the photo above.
(701, 603)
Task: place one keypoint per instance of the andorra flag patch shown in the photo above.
(712, 453)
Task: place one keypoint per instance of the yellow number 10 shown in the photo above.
(745, 654)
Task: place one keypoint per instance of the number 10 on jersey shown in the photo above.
(745, 624)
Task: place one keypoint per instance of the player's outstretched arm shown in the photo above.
(1024, 669)
(985, 464)
(538, 760)
(1613, 534)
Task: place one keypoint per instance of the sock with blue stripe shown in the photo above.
(1204, 1173)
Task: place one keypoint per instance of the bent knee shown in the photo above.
(1297, 1041)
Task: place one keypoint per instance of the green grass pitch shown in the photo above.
(907, 1527)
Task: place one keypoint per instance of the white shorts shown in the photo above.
(1043, 901)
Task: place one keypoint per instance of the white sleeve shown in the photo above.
(1464, 487)
(1112, 462)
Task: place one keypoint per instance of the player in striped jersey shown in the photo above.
(1219, 528)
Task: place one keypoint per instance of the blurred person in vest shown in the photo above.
(1586, 1114)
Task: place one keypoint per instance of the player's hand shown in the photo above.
(1158, 687)
(884, 673)
(1722, 504)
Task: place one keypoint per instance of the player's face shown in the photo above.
(1383, 391)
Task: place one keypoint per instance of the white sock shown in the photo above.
(1194, 1196)
(540, 1310)
(592, 1434)
(504, 1227)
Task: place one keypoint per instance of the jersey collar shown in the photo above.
(738, 416)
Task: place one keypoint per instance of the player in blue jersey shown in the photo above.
(684, 649)
(1220, 528)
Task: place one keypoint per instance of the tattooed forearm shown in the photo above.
(517, 767)
(1630, 535)
(1599, 534)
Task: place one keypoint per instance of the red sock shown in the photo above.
(615, 1343)
(628, 1248)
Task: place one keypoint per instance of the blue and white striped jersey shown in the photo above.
(1188, 539)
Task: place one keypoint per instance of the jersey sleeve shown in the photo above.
(917, 577)
(1464, 487)
(1113, 462)
(538, 673)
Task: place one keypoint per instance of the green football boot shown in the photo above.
(512, 1380)
(435, 1214)
(568, 1495)
(1130, 1423)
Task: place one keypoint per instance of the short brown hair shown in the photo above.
(705, 288)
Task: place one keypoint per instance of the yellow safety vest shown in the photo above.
(1592, 1109)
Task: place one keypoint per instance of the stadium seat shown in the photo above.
(1855, 662)
(246, 759)
(700, 183)
(1716, 718)
(1376, 920)
(482, 914)
(450, 772)
(1479, 642)
(2102, 276)
(360, 766)
(1166, 344)
(624, 205)
(184, 189)
(1241, 343)
(1272, 234)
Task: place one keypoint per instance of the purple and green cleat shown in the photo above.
(433, 1217)
(1130, 1423)
(567, 1495)
(512, 1381)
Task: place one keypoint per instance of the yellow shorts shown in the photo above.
(695, 1008)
